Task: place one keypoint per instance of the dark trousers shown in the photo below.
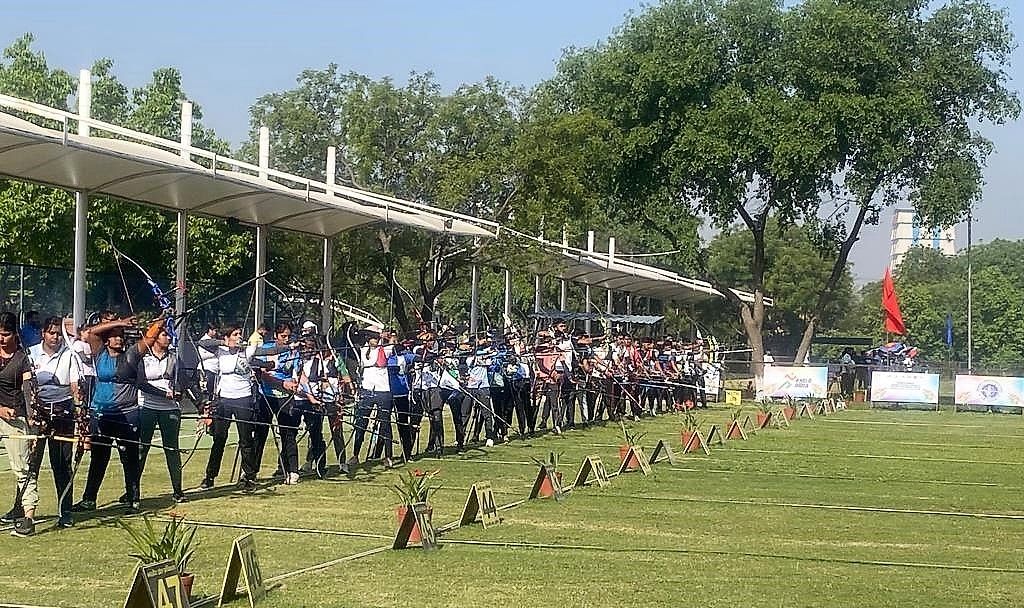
(501, 398)
(480, 398)
(170, 426)
(288, 419)
(242, 412)
(316, 452)
(335, 413)
(434, 400)
(263, 416)
(552, 394)
(568, 400)
(408, 415)
(521, 401)
(382, 429)
(120, 429)
(461, 409)
(61, 422)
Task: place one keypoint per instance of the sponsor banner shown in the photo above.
(989, 390)
(796, 382)
(905, 387)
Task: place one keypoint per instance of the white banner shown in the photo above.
(989, 390)
(796, 382)
(904, 387)
(712, 379)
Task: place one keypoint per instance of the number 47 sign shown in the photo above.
(156, 586)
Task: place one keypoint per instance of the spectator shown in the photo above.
(31, 332)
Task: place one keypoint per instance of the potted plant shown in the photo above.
(176, 542)
(629, 439)
(764, 413)
(689, 430)
(551, 464)
(413, 488)
(790, 410)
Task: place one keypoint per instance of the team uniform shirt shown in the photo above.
(235, 379)
(116, 376)
(12, 374)
(285, 364)
(375, 368)
(449, 374)
(478, 371)
(208, 359)
(55, 373)
(427, 375)
(398, 376)
(155, 383)
(82, 349)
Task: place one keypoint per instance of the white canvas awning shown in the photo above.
(146, 173)
(610, 272)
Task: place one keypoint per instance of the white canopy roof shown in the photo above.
(610, 272)
(151, 173)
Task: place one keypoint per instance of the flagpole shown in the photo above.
(970, 299)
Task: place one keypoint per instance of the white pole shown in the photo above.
(327, 296)
(563, 293)
(326, 310)
(262, 233)
(474, 299)
(970, 298)
(264, 157)
(587, 325)
(508, 293)
(181, 257)
(261, 267)
(81, 206)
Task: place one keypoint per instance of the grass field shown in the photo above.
(860, 508)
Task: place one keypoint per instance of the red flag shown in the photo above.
(891, 304)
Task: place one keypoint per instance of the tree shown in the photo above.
(702, 106)
(904, 84)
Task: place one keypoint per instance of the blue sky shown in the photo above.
(232, 52)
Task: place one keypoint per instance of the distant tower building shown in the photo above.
(907, 233)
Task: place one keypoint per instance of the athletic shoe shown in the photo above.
(353, 462)
(83, 505)
(180, 497)
(207, 484)
(123, 499)
(65, 521)
(24, 527)
(12, 516)
(489, 443)
(292, 479)
(247, 486)
(307, 467)
(135, 507)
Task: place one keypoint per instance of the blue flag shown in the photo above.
(949, 330)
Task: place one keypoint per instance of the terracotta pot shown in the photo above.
(763, 418)
(789, 412)
(633, 463)
(686, 436)
(187, 580)
(546, 491)
(414, 536)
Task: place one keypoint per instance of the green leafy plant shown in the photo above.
(176, 542)
(736, 413)
(690, 422)
(629, 437)
(412, 488)
(551, 462)
(765, 405)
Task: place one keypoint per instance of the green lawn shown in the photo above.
(860, 508)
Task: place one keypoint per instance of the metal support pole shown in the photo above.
(970, 298)
(474, 299)
(508, 293)
(536, 293)
(262, 234)
(587, 325)
(81, 207)
(326, 298)
(260, 305)
(563, 292)
(181, 253)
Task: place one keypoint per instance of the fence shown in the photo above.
(48, 290)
